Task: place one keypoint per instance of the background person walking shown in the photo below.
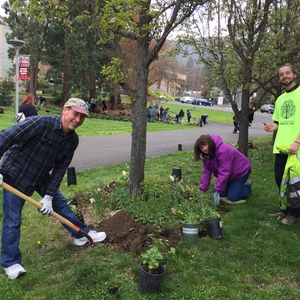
(189, 115)
(181, 116)
(93, 105)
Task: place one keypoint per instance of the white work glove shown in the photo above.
(46, 209)
(217, 198)
(1, 179)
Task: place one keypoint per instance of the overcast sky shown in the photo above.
(1, 10)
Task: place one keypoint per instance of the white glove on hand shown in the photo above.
(1, 179)
(47, 206)
(216, 198)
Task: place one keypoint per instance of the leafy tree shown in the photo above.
(117, 22)
(69, 45)
(278, 47)
(31, 31)
(143, 22)
(231, 55)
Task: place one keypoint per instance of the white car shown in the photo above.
(187, 99)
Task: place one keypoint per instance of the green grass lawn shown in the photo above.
(97, 127)
(257, 258)
(198, 110)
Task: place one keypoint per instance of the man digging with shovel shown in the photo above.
(37, 153)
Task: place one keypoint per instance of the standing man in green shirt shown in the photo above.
(286, 119)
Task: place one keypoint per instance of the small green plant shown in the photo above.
(76, 210)
(99, 196)
(73, 206)
(196, 207)
(150, 259)
(163, 246)
(192, 217)
(188, 197)
(207, 206)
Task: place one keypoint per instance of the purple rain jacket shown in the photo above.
(227, 164)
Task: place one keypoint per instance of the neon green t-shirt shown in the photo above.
(287, 114)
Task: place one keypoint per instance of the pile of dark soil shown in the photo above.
(125, 234)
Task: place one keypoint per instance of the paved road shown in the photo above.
(96, 152)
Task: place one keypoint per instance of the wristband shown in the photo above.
(297, 142)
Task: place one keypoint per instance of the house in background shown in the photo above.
(170, 82)
(5, 62)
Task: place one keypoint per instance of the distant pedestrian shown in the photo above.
(251, 112)
(104, 106)
(88, 105)
(235, 124)
(42, 101)
(189, 115)
(165, 115)
(156, 110)
(161, 112)
(93, 105)
(181, 116)
(150, 113)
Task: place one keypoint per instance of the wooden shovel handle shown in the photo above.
(54, 214)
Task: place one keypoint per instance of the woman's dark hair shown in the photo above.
(203, 140)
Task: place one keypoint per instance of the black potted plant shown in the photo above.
(151, 272)
(211, 216)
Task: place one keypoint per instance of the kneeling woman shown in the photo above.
(229, 166)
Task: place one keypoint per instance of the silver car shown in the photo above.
(187, 99)
(268, 108)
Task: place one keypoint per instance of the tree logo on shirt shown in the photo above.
(288, 109)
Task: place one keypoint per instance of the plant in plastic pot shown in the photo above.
(211, 216)
(151, 272)
(164, 248)
(188, 211)
(190, 226)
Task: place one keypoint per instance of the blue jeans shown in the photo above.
(237, 189)
(12, 212)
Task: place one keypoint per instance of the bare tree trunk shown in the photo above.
(118, 94)
(139, 122)
(33, 76)
(114, 99)
(244, 118)
(65, 89)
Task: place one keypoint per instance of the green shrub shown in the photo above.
(5, 95)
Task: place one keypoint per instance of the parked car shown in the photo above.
(268, 108)
(187, 99)
(201, 101)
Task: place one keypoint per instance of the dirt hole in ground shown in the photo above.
(123, 233)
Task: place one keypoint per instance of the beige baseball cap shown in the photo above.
(78, 105)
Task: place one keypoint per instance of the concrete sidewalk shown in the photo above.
(99, 151)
